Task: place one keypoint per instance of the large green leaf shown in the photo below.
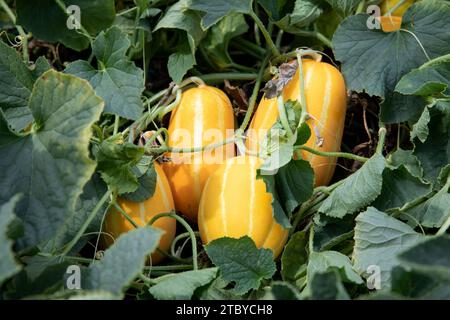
(181, 61)
(320, 262)
(16, 80)
(429, 79)
(37, 16)
(218, 38)
(417, 284)
(374, 61)
(434, 152)
(294, 258)
(328, 285)
(93, 191)
(280, 291)
(357, 191)
(117, 80)
(276, 9)
(433, 212)
(344, 7)
(122, 262)
(181, 286)
(180, 17)
(214, 11)
(8, 263)
(379, 238)
(51, 164)
(239, 260)
(405, 158)
(430, 255)
(290, 186)
(399, 188)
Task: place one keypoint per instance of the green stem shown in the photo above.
(311, 239)
(116, 124)
(240, 67)
(178, 238)
(265, 34)
(188, 229)
(443, 229)
(125, 215)
(323, 39)
(301, 76)
(219, 77)
(171, 106)
(192, 149)
(279, 38)
(179, 267)
(332, 154)
(86, 223)
(248, 47)
(23, 35)
(252, 102)
(283, 116)
(381, 138)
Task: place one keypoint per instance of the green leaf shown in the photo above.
(18, 118)
(328, 286)
(329, 232)
(408, 160)
(117, 80)
(374, 61)
(420, 128)
(93, 191)
(379, 238)
(96, 15)
(306, 12)
(303, 134)
(276, 9)
(217, 290)
(357, 191)
(218, 38)
(279, 290)
(65, 109)
(147, 184)
(290, 186)
(431, 78)
(239, 260)
(116, 160)
(295, 257)
(434, 152)
(181, 286)
(320, 262)
(419, 285)
(399, 188)
(344, 7)
(180, 62)
(180, 17)
(215, 11)
(42, 276)
(431, 254)
(122, 262)
(16, 80)
(433, 212)
(8, 263)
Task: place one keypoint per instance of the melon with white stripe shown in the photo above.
(142, 212)
(326, 100)
(203, 117)
(235, 203)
